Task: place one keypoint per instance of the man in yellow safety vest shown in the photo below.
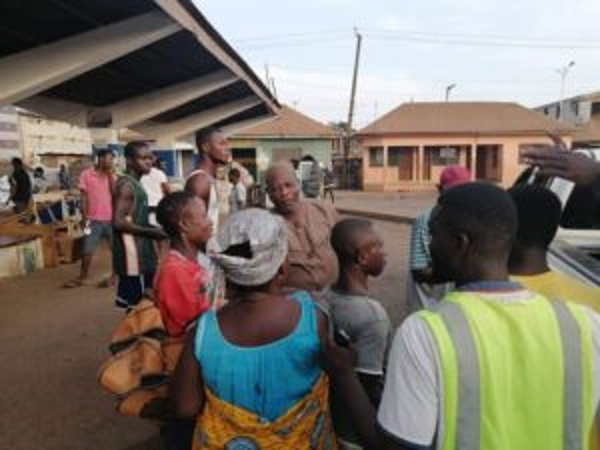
(494, 367)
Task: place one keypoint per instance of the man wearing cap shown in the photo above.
(422, 293)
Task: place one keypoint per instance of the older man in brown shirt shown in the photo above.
(312, 262)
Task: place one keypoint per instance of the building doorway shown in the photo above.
(247, 158)
(402, 157)
(489, 164)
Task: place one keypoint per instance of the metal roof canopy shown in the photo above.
(154, 66)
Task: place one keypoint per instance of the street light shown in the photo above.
(563, 71)
(448, 89)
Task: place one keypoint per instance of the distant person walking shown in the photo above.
(20, 187)
(156, 185)
(63, 178)
(237, 193)
(95, 186)
(134, 257)
(311, 177)
(329, 183)
(40, 184)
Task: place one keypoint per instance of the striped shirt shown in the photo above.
(420, 257)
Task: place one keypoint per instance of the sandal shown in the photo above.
(77, 282)
(107, 283)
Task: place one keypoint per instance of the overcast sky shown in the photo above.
(412, 49)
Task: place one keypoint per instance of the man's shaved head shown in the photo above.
(278, 169)
(283, 187)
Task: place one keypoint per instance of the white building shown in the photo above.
(10, 137)
(582, 111)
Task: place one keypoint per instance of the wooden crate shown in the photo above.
(69, 247)
(45, 232)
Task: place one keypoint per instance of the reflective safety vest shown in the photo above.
(515, 375)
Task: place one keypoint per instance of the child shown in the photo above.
(363, 320)
(180, 284)
(237, 194)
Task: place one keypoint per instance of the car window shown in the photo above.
(582, 210)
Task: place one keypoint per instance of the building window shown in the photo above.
(595, 108)
(575, 107)
(444, 156)
(376, 156)
(400, 155)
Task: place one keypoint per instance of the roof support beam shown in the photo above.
(176, 10)
(30, 72)
(238, 127)
(199, 120)
(138, 109)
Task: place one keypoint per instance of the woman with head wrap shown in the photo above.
(251, 371)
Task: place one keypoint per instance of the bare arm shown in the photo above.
(373, 386)
(123, 206)
(84, 205)
(186, 392)
(199, 185)
(166, 189)
(358, 406)
(13, 190)
(558, 161)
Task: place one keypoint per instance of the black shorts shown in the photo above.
(131, 288)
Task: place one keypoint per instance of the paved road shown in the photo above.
(53, 341)
(400, 205)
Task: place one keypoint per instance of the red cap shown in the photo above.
(453, 176)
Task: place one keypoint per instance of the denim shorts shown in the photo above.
(99, 230)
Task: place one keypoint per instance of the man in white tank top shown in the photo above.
(214, 151)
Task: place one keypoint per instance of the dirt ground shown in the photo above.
(53, 341)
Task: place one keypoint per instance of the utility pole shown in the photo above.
(448, 89)
(348, 136)
(563, 71)
(267, 76)
(273, 88)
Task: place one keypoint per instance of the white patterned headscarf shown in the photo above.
(267, 235)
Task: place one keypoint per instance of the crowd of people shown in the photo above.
(285, 347)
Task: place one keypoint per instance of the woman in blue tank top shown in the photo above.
(250, 371)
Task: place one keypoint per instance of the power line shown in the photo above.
(482, 43)
(344, 86)
(310, 37)
(293, 43)
(480, 36)
(291, 35)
